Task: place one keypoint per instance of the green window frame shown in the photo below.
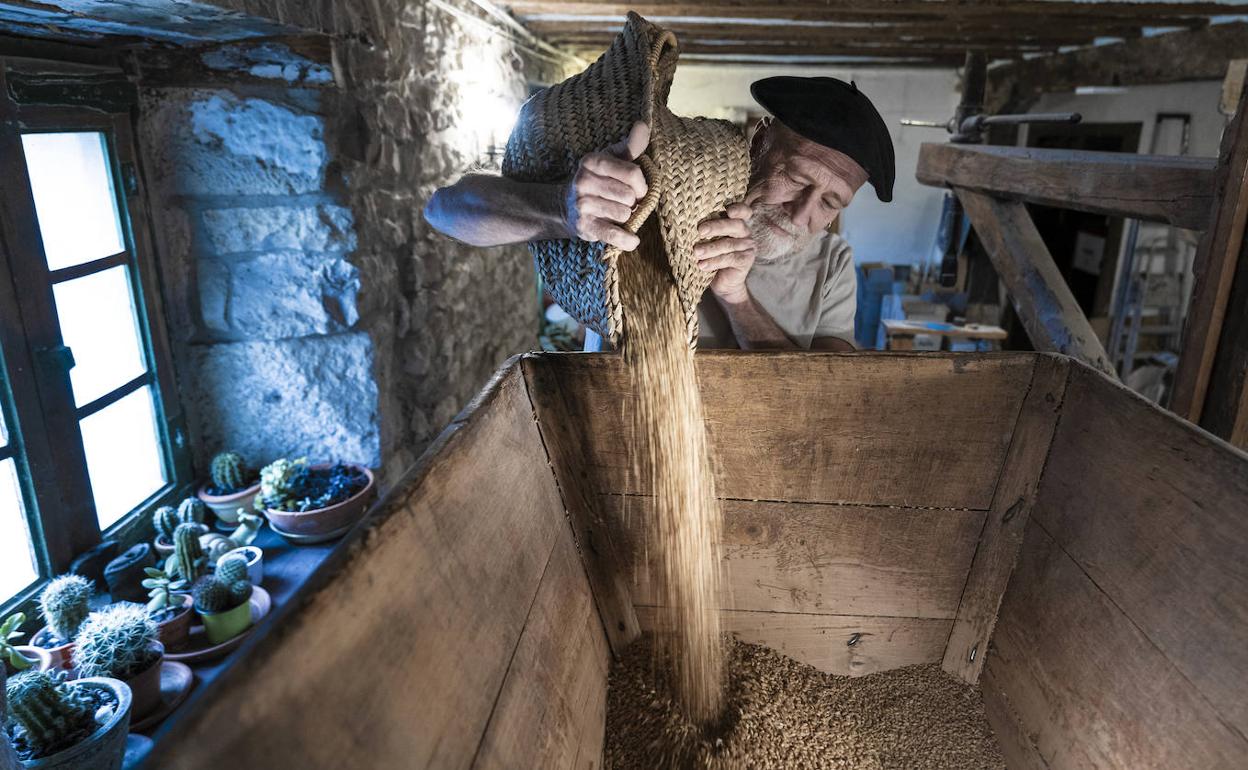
(37, 402)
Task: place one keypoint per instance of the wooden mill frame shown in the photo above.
(1205, 194)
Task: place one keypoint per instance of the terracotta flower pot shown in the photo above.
(106, 747)
(226, 506)
(61, 657)
(223, 626)
(175, 631)
(164, 546)
(322, 521)
(145, 685)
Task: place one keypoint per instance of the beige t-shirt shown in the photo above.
(810, 293)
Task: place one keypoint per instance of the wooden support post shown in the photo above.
(1002, 533)
(1054, 321)
(1216, 262)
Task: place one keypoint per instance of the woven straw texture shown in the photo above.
(694, 168)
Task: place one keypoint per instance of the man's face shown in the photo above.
(797, 189)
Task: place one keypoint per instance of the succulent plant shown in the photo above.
(188, 561)
(63, 604)
(116, 642)
(51, 714)
(276, 480)
(10, 631)
(192, 511)
(213, 595)
(293, 485)
(165, 521)
(232, 568)
(230, 473)
(161, 588)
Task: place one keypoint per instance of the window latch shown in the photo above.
(58, 357)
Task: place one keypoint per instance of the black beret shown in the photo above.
(837, 115)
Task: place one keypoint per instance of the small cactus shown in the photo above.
(116, 642)
(188, 555)
(165, 520)
(232, 568)
(64, 604)
(51, 714)
(230, 473)
(214, 595)
(192, 511)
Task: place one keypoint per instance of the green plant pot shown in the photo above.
(222, 626)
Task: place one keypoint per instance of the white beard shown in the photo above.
(773, 245)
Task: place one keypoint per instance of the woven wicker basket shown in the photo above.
(694, 167)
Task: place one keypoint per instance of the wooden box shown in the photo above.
(1020, 517)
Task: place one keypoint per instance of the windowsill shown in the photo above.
(286, 568)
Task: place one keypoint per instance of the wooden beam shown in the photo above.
(1200, 54)
(1048, 310)
(1171, 189)
(1155, 14)
(1214, 269)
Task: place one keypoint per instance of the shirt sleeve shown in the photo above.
(840, 293)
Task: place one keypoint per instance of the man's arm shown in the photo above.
(752, 325)
(485, 210)
(729, 250)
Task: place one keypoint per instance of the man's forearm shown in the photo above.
(753, 326)
(485, 210)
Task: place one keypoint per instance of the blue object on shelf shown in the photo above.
(873, 284)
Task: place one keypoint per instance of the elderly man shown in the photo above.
(782, 280)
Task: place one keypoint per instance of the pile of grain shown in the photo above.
(670, 435)
(783, 714)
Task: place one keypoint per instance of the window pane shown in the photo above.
(123, 455)
(98, 324)
(74, 200)
(17, 559)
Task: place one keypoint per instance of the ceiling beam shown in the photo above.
(1171, 58)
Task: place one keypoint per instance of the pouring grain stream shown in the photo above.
(674, 459)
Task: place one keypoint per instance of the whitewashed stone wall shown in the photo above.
(313, 310)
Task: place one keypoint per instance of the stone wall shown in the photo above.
(312, 309)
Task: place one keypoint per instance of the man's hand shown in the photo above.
(604, 190)
(728, 249)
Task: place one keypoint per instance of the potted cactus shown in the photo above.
(19, 657)
(166, 519)
(223, 602)
(188, 561)
(77, 725)
(310, 500)
(64, 605)
(120, 642)
(233, 486)
(169, 606)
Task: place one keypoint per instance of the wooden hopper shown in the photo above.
(1018, 516)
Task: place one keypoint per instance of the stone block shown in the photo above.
(279, 294)
(314, 396)
(216, 143)
(321, 227)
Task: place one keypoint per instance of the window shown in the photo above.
(90, 436)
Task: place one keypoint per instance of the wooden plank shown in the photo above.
(1003, 527)
(822, 559)
(1157, 188)
(902, 326)
(880, 429)
(1214, 267)
(450, 570)
(1049, 312)
(1088, 688)
(556, 677)
(849, 645)
(1016, 746)
(1153, 510)
(560, 421)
